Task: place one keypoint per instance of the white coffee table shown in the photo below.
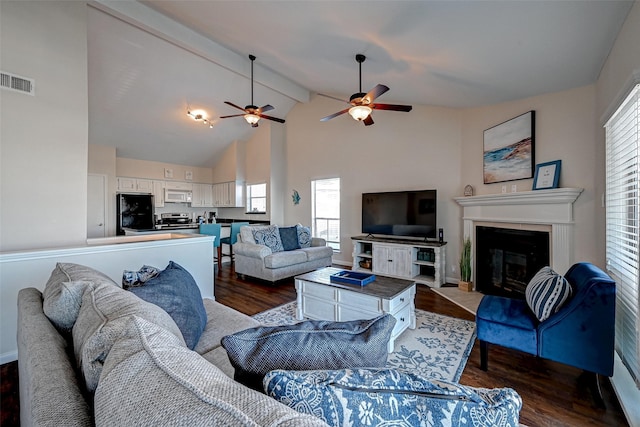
(320, 299)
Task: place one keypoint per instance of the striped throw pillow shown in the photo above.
(546, 293)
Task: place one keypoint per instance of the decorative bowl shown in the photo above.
(365, 263)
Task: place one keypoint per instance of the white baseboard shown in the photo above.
(11, 356)
(343, 263)
(627, 392)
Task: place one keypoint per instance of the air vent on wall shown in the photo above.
(17, 84)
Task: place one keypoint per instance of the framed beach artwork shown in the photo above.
(509, 149)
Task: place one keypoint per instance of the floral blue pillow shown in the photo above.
(304, 236)
(269, 237)
(386, 397)
(138, 278)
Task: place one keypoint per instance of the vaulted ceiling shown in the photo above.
(149, 61)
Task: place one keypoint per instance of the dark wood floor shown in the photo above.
(553, 394)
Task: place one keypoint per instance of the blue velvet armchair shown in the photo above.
(580, 334)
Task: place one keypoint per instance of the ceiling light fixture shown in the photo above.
(251, 118)
(360, 112)
(200, 116)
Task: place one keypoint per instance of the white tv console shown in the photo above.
(420, 261)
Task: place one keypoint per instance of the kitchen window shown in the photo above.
(326, 211)
(257, 198)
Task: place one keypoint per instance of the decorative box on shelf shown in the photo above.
(352, 278)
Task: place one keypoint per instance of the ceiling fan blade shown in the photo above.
(333, 97)
(392, 107)
(265, 108)
(374, 93)
(368, 121)
(235, 115)
(324, 119)
(234, 105)
(275, 119)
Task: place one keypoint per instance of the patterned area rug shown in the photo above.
(437, 348)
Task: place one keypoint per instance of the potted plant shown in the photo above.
(465, 266)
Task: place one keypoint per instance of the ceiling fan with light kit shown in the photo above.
(362, 104)
(251, 113)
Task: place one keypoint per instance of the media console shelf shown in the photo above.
(422, 262)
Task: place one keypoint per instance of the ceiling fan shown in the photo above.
(362, 103)
(252, 114)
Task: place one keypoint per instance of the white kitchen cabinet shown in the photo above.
(228, 194)
(158, 194)
(202, 196)
(136, 185)
(144, 185)
(178, 185)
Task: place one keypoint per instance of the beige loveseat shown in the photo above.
(148, 376)
(258, 260)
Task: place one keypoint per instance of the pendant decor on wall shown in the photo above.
(296, 197)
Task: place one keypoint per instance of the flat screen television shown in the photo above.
(400, 213)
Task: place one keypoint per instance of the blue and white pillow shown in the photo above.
(138, 278)
(304, 236)
(269, 237)
(390, 397)
(546, 293)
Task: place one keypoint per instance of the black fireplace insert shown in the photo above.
(506, 259)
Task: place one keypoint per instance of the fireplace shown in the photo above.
(548, 211)
(506, 259)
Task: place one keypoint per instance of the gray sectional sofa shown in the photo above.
(148, 377)
(260, 261)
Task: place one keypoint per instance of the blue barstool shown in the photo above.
(233, 236)
(213, 230)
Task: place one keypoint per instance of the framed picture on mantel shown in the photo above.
(509, 149)
(547, 175)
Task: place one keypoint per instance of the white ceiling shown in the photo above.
(149, 60)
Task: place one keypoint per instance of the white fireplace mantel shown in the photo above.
(552, 208)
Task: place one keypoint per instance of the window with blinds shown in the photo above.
(622, 225)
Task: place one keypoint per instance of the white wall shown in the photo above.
(43, 151)
(401, 151)
(102, 160)
(134, 168)
(564, 131)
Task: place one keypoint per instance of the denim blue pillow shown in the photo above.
(304, 236)
(377, 397)
(176, 292)
(269, 237)
(289, 238)
(313, 344)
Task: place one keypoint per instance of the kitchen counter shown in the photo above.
(190, 228)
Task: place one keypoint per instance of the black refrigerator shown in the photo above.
(134, 211)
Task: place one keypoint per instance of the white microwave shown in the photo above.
(177, 196)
